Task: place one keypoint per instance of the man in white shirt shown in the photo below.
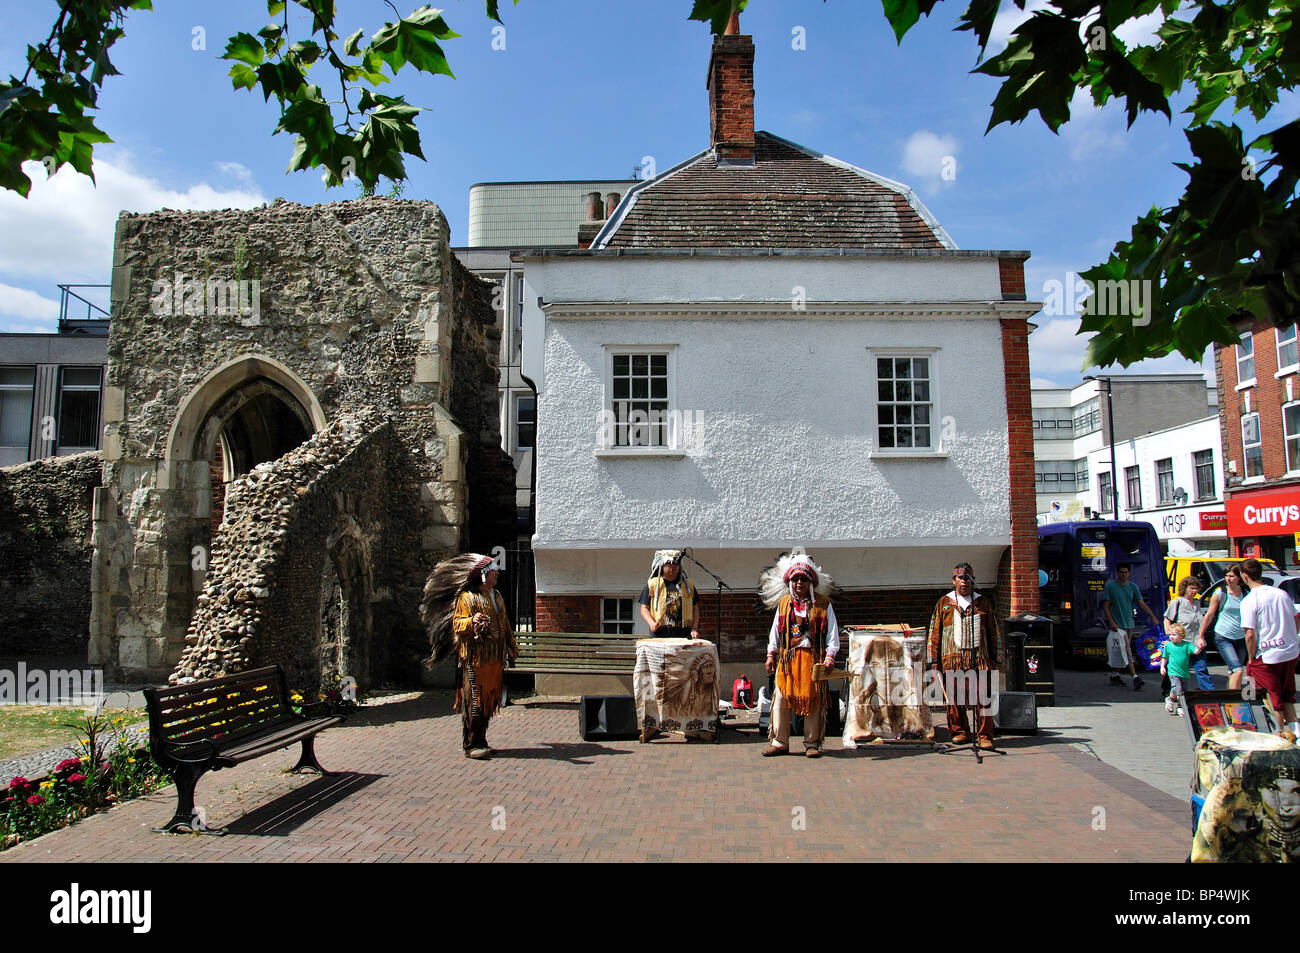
(1269, 620)
(804, 632)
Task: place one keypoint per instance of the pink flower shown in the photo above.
(35, 799)
(67, 764)
(20, 784)
(76, 776)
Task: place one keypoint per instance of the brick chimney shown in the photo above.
(731, 96)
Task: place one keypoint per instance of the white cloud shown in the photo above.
(237, 170)
(930, 157)
(1005, 23)
(27, 308)
(1138, 32)
(1056, 355)
(1142, 31)
(1091, 131)
(63, 230)
(806, 116)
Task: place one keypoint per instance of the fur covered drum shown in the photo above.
(675, 682)
(886, 693)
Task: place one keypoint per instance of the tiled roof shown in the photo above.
(789, 198)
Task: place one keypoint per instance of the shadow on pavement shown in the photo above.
(557, 751)
(882, 752)
(434, 704)
(290, 811)
(1051, 736)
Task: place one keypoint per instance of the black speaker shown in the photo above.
(1017, 713)
(608, 718)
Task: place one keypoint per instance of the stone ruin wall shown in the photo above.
(328, 513)
(360, 307)
(45, 555)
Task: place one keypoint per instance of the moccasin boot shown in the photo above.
(812, 752)
(773, 750)
(985, 742)
(960, 738)
(479, 754)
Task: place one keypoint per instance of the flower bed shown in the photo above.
(110, 771)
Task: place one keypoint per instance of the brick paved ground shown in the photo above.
(408, 794)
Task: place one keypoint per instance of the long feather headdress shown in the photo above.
(438, 605)
(775, 581)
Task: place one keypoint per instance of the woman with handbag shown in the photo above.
(1186, 611)
(1225, 626)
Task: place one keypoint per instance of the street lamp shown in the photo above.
(1110, 427)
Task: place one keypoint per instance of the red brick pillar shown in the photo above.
(1020, 445)
(568, 613)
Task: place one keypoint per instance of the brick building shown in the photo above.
(1259, 416)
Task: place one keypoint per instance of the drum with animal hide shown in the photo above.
(886, 693)
(676, 686)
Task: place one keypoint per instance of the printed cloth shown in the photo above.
(886, 692)
(1252, 809)
(675, 683)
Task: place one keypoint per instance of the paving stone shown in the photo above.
(412, 795)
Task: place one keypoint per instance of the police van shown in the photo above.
(1077, 559)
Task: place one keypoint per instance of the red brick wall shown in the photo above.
(731, 97)
(1020, 442)
(745, 623)
(1011, 272)
(568, 614)
(1267, 397)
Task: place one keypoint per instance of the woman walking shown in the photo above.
(1225, 627)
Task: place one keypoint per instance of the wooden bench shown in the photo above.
(218, 723)
(575, 653)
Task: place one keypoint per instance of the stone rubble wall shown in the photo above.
(341, 496)
(45, 555)
(361, 307)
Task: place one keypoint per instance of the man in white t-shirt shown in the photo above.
(1269, 619)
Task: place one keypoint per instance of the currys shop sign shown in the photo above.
(1275, 513)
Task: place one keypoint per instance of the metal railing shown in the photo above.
(96, 317)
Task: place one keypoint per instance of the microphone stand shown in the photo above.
(717, 634)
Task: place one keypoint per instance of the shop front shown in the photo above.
(1188, 529)
(1264, 524)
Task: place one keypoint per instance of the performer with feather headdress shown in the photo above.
(463, 611)
(669, 602)
(804, 632)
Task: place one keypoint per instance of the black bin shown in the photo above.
(1030, 666)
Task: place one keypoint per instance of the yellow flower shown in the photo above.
(47, 784)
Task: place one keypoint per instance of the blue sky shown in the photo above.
(587, 89)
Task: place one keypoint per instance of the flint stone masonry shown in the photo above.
(311, 530)
(235, 335)
(45, 555)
